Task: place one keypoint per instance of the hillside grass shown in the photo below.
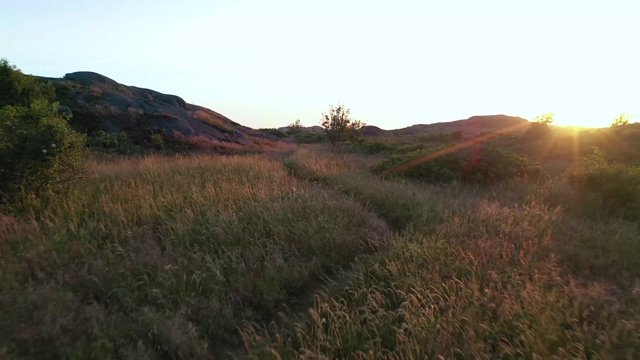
(306, 254)
(481, 273)
(166, 256)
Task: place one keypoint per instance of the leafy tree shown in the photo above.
(17, 88)
(39, 151)
(621, 120)
(295, 128)
(540, 126)
(339, 127)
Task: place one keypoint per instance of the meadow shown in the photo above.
(308, 254)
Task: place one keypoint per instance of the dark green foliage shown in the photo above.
(481, 164)
(275, 132)
(601, 187)
(157, 141)
(295, 128)
(112, 143)
(370, 147)
(39, 152)
(441, 137)
(339, 126)
(17, 88)
(310, 137)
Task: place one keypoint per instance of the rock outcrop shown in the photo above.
(100, 103)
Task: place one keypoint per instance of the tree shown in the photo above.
(295, 128)
(338, 125)
(39, 151)
(540, 126)
(621, 120)
(17, 88)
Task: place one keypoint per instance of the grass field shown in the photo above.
(309, 255)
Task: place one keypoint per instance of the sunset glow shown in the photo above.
(265, 64)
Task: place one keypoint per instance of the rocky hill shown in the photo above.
(472, 126)
(100, 103)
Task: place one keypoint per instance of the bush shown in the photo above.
(367, 147)
(481, 164)
(309, 137)
(601, 187)
(157, 141)
(339, 126)
(17, 88)
(113, 143)
(295, 128)
(275, 132)
(39, 151)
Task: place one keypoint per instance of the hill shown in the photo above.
(100, 103)
(472, 126)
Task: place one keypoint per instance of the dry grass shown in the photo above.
(158, 256)
(198, 257)
(254, 145)
(213, 120)
(495, 278)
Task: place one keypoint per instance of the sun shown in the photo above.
(582, 123)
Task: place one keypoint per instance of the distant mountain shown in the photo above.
(472, 126)
(100, 103)
(370, 130)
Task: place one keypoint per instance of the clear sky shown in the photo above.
(394, 63)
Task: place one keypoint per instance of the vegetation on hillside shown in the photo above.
(39, 152)
(314, 251)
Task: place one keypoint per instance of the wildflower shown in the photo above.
(44, 151)
(53, 145)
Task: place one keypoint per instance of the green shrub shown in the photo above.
(17, 88)
(157, 140)
(39, 152)
(481, 164)
(310, 137)
(601, 187)
(275, 132)
(370, 147)
(113, 143)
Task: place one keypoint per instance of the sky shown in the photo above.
(393, 63)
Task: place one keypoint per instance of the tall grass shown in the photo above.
(501, 275)
(166, 256)
(199, 257)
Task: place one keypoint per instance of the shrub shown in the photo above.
(39, 151)
(275, 132)
(539, 127)
(621, 120)
(112, 143)
(310, 137)
(367, 147)
(339, 126)
(17, 88)
(480, 164)
(295, 128)
(602, 187)
(157, 140)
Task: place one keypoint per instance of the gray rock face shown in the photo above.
(100, 103)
